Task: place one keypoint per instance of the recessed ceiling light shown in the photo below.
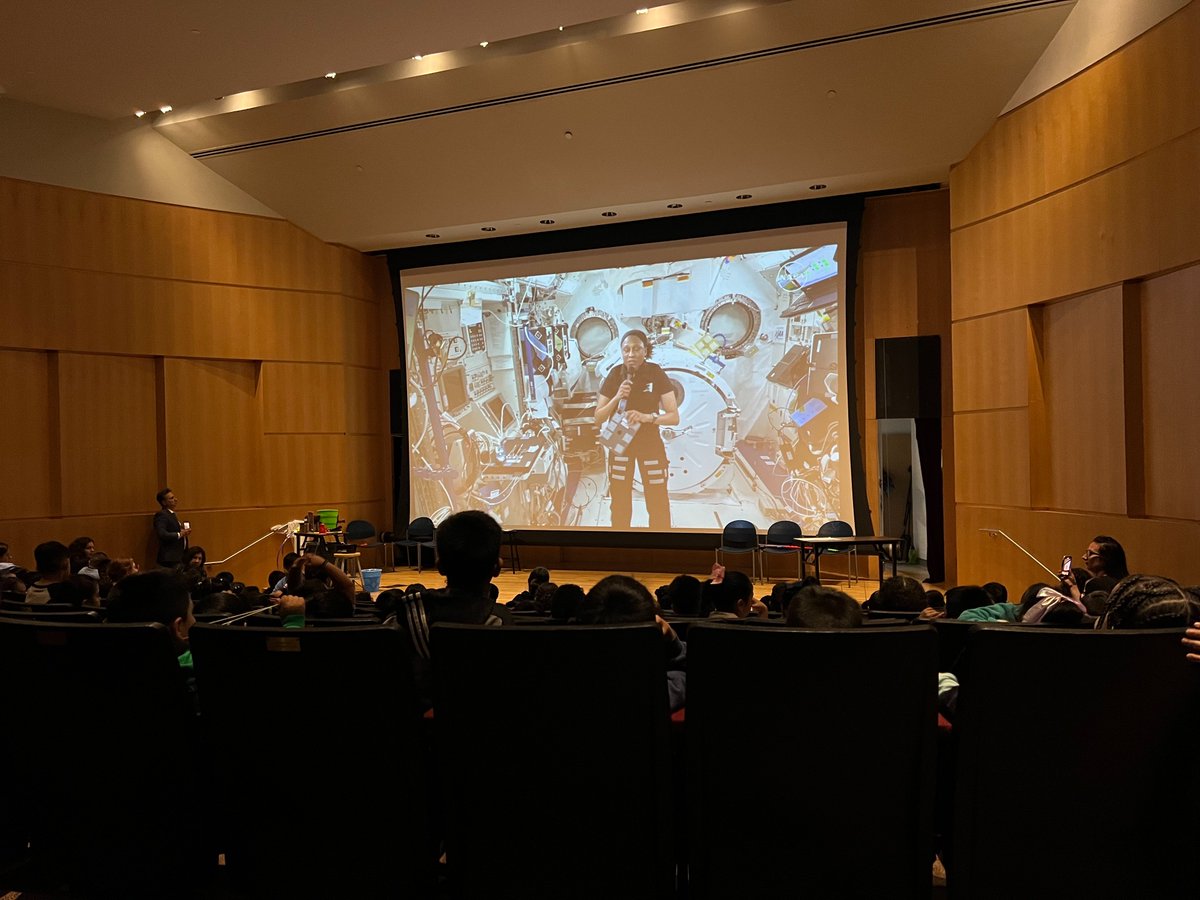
(817, 187)
(547, 221)
(608, 214)
(488, 228)
(165, 109)
(140, 113)
(419, 56)
(433, 235)
(641, 11)
(674, 206)
(745, 196)
(483, 43)
(331, 74)
(560, 28)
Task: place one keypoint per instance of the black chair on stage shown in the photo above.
(781, 539)
(301, 705)
(99, 734)
(740, 536)
(590, 699)
(1098, 733)
(838, 528)
(815, 709)
(418, 535)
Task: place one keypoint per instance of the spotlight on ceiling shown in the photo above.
(419, 56)
(642, 10)
(331, 74)
(483, 43)
(165, 109)
(140, 113)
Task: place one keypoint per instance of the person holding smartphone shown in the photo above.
(1104, 558)
(641, 392)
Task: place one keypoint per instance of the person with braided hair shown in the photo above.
(1148, 601)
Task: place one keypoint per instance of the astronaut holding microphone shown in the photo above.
(638, 395)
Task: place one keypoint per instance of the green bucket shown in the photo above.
(328, 517)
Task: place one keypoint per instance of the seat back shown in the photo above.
(587, 702)
(781, 724)
(835, 528)
(60, 613)
(783, 532)
(904, 614)
(739, 534)
(306, 702)
(99, 721)
(359, 530)
(952, 640)
(1096, 734)
(420, 529)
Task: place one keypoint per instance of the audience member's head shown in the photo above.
(1029, 599)
(1094, 602)
(53, 561)
(195, 557)
(543, 596)
(5, 555)
(734, 594)
(79, 590)
(935, 599)
(225, 603)
(98, 564)
(323, 602)
(157, 596)
(964, 597)
(120, 568)
(11, 582)
(618, 599)
(1148, 601)
(80, 551)
(1104, 556)
(685, 592)
(997, 591)
(775, 601)
(538, 576)
(822, 607)
(566, 602)
(468, 549)
(901, 594)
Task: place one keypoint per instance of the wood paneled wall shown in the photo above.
(904, 290)
(237, 359)
(1076, 272)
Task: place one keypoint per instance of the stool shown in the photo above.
(350, 563)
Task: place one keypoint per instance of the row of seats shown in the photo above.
(810, 759)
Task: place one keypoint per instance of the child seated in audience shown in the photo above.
(566, 602)
(901, 594)
(1148, 601)
(619, 600)
(80, 591)
(821, 607)
(158, 596)
(327, 591)
(525, 599)
(683, 594)
(53, 569)
(731, 596)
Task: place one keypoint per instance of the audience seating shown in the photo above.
(781, 725)
(952, 639)
(305, 706)
(101, 723)
(61, 613)
(906, 615)
(589, 703)
(1076, 770)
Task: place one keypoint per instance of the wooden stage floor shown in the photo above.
(511, 584)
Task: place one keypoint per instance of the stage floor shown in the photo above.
(511, 584)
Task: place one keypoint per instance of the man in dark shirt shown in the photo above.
(172, 534)
(639, 391)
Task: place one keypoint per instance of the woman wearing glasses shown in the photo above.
(1104, 558)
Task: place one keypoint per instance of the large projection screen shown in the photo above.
(505, 359)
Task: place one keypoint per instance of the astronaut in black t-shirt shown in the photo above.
(649, 400)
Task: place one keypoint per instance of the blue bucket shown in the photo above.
(370, 579)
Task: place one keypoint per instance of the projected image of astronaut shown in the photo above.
(634, 401)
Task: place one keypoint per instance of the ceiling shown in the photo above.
(572, 110)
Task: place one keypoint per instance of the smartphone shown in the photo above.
(1066, 567)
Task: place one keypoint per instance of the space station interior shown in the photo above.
(503, 378)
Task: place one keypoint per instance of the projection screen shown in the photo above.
(505, 361)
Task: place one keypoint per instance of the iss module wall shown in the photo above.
(503, 376)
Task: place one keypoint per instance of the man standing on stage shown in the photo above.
(172, 534)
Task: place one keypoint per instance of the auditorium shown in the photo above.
(721, 325)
